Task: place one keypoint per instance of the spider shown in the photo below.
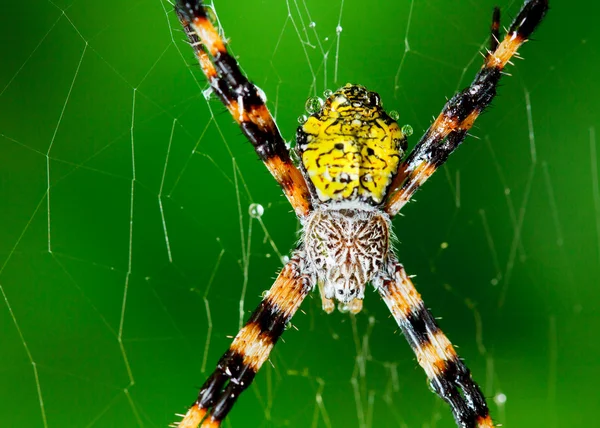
(352, 179)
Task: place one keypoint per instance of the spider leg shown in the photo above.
(250, 348)
(447, 374)
(243, 100)
(458, 115)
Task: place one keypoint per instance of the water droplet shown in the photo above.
(327, 93)
(407, 130)
(302, 119)
(256, 210)
(338, 29)
(285, 259)
(444, 245)
(208, 93)
(500, 399)
(494, 281)
(313, 104)
(264, 294)
(394, 115)
(312, 24)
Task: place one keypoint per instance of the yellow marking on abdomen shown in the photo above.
(351, 149)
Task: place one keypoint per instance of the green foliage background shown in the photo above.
(101, 326)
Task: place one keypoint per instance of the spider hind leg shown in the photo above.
(448, 376)
(251, 347)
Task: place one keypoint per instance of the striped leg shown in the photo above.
(458, 115)
(250, 348)
(243, 100)
(447, 374)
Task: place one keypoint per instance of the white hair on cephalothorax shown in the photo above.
(345, 248)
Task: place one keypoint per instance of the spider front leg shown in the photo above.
(243, 100)
(458, 115)
(251, 347)
(447, 374)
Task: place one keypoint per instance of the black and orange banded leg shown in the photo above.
(447, 374)
(243, 100)
(458, 115)
(250, 349)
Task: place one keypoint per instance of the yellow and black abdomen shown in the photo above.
(350, 149)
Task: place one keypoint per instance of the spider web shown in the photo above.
(139, 229)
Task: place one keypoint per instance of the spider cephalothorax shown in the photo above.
(351, 148)
(352, 178)
(345, 248)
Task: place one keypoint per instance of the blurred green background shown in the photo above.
(127, 251)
